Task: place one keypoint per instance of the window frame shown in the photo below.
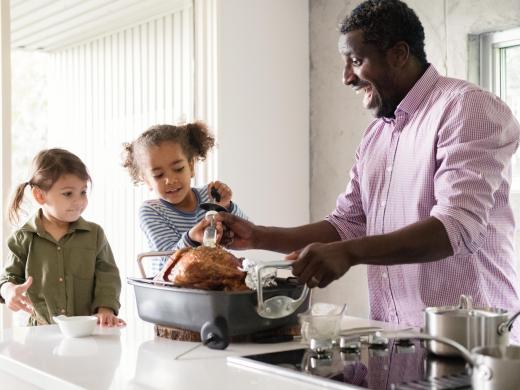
(490, 45)
(491, 68)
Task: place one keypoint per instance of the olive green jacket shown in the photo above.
(73, 276)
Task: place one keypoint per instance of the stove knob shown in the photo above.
(376, 341)
(321, 346)
(350, 343)
(350, 356)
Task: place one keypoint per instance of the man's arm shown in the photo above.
(424, 241)
(286, 240)
(242, 234)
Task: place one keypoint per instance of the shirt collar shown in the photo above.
(35, 225)
(421, 88)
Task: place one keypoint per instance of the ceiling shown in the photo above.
(53, 24)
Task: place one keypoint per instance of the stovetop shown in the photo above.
(374, 364)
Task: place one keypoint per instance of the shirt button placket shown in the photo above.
(63, 295)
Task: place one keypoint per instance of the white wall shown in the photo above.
(337, 118)
(263, 108)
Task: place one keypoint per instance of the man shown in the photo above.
(427, 205)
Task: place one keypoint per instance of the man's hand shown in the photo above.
(15, 297)
(238, 233)
(106, 317)
(319, 264)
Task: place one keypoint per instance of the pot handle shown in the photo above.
(466, 302)
(141, 256)
(506, 326)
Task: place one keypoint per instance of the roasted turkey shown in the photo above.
(204, 268)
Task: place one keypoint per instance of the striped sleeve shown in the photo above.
(235, 210)
(161, 236)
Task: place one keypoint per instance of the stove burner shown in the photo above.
(382, 365)
(459, 381)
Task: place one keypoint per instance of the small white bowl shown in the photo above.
(76, 326)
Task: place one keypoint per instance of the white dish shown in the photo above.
(76, 326)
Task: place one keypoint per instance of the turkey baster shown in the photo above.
(210, 234)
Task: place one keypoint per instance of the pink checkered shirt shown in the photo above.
(447, 154)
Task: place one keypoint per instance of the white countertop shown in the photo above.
(40, 357)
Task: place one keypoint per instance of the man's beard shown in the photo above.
(385, 108)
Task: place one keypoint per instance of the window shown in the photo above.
(499, 64)
(89, 89)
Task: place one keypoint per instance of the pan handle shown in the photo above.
(290, 305)
(141, 256)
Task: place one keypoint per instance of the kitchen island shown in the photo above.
(40, 357)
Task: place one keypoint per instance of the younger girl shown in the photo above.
(58, 262)
(164, 157)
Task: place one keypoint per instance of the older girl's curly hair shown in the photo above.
(194, 138)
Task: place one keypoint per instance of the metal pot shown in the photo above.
(471, 327)
(492, 367)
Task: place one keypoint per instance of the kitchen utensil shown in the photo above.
(210, 233)
(492, 367)
(76, 326)
(164, 304)
(211, 206)
(281, 305)
(469, 326)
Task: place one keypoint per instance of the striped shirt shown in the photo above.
(447, 154)
(166, 227)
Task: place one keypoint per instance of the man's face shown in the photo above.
(368, 71)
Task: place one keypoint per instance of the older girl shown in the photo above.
(163, 158)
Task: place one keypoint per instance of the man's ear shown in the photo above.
(38, 195)
(399, 54)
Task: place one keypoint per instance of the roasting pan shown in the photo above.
(229, 313)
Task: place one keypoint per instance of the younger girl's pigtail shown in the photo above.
(14, 207)
(200, 139)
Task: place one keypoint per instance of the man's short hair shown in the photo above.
(386, 22)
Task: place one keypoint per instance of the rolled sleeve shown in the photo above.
(14, 271)
(349, 218)
(474, 153)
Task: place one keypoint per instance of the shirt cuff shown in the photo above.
(466, 235)
(188, 241)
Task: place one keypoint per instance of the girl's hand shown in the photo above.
(15, 298)
(106, 317)
(224, 192)
(196, 233)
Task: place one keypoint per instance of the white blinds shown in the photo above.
(107, 91)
